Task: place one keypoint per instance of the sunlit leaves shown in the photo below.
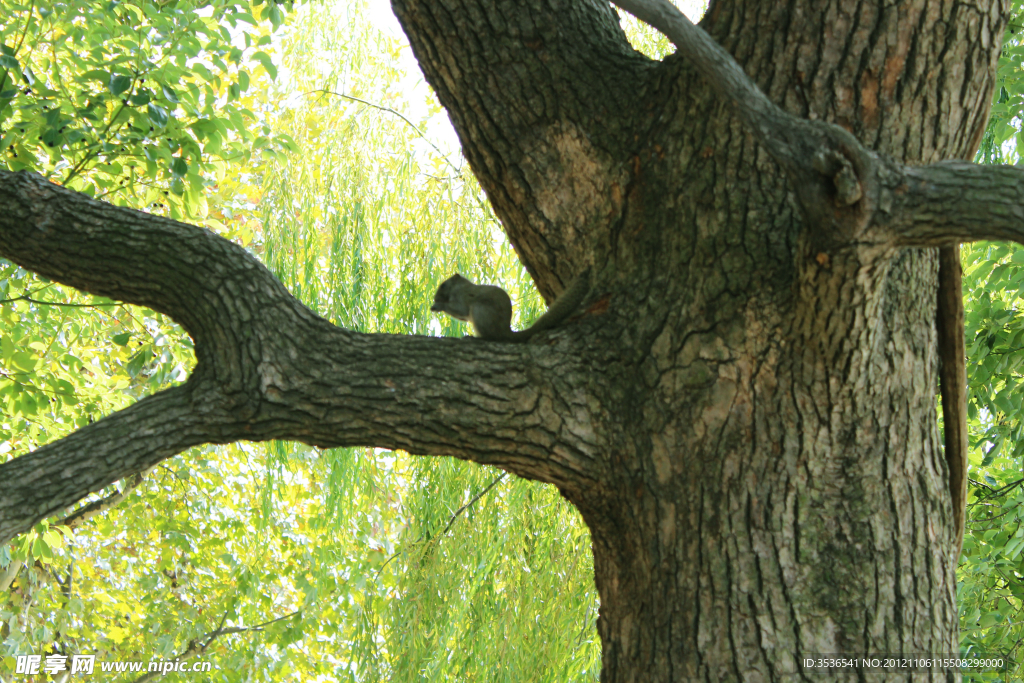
(995, 340)
(39, 544)
(57, 371)
(106, 97)
(991, 571)
(266, 62)
(1008, 108)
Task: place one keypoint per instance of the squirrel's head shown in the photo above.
(446, 292)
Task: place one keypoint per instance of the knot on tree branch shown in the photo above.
(838, 168)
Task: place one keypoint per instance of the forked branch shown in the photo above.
(268, 368)
(825, 162)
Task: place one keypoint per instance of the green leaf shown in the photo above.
(52, 538)
(204, 72)
(23, 360)
(119, 83)
(169, 94)
(10, 62)
(276, 16)
(101, 75)
(990, 619)
(268, 64)
(63, 387)
(51, 138)
(157, 114)
(138, 362)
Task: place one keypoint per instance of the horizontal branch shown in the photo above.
(495, 404)
(956, 201)
(268, 368)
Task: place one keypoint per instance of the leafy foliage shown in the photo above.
(991, 572)
(139, 103)
(991, 588)
(1004, 135)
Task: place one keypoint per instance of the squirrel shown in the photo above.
(489, 308)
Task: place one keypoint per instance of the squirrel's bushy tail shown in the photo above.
(562, 308)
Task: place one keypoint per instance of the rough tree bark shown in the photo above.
(744, 413)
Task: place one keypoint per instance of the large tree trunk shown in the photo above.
(745, 411)
(772, 483)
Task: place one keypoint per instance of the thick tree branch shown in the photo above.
(956, 201)
(269, 368)
(48, 480)
(68, 237)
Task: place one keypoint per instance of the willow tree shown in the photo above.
(743, 410)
